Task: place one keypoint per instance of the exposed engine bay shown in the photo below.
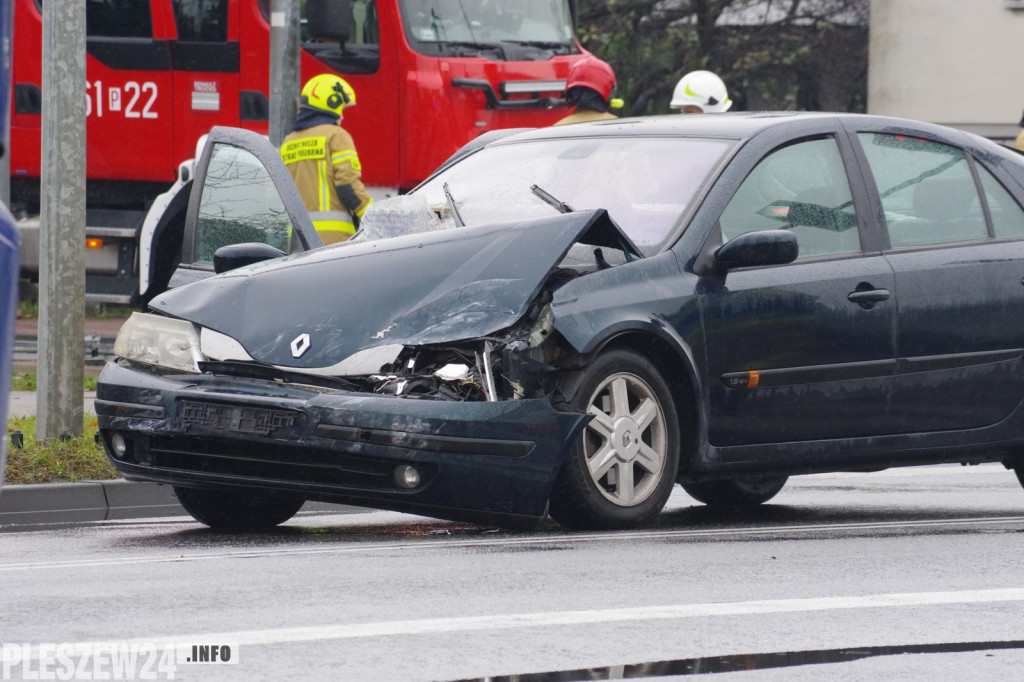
(511, 366)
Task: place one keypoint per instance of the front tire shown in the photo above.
(621, 470)
(736, 492)
(226, 510)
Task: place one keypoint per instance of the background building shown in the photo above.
(956, 62)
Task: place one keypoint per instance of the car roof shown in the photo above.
(744, 126)
(736, 125)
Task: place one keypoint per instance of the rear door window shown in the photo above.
(1007, 216)
(927, 190)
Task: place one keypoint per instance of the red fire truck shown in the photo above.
(429, 75)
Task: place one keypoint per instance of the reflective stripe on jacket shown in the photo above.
(322, 161)
(333, 226)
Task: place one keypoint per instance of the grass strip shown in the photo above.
(56, 461)
(26, 381)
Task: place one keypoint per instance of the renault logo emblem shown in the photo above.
(300, 345)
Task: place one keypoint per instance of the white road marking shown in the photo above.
(431, 626)
(446, 543)
(923, 471)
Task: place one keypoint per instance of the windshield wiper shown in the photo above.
(617, 239)
(436, 26)
(542, 44)
(451, 204)
(459, 47)
(550, 200)
(472, 44)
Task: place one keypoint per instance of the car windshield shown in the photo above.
(486, 23)
(644, 183)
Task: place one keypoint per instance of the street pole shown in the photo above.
(61, 368)
(284, 67)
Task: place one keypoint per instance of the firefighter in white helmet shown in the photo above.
(700, 92)
(321, 157)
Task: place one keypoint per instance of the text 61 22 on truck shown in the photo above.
(431, 76)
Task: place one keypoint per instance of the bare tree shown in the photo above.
(772, 54)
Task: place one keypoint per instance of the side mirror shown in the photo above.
(766, 247)
(329, 19)
(237, 255)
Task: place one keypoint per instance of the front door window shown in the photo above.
(802, 188)
(239, 204)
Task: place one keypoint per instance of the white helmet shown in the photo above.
(701, 89)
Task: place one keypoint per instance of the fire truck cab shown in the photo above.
(430, 75)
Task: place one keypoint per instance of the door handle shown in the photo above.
(869, 297)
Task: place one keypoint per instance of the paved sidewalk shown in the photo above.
(23, 403)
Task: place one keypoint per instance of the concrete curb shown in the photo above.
(85, 501)
(117, 499)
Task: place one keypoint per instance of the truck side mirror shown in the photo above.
(329, 20)
(237, 255)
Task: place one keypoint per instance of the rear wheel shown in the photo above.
(620, 472)
(228, 510)
(735, 492)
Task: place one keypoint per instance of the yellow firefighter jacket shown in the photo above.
(585, 115)
(323, 163)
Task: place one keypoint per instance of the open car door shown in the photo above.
(242, 193)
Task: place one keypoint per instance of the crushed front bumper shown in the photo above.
(484, 462)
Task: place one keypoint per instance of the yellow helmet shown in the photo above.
(329, 93)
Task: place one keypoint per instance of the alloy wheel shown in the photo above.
(625, 443)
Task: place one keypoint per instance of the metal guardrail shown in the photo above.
(96, 349)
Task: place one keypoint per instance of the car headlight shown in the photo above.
(160, 341)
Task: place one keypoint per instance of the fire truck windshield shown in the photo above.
(491, 27)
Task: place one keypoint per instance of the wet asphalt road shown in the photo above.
(917, 571)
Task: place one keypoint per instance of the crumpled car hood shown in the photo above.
(434, 287)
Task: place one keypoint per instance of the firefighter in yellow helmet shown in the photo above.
(322, 159)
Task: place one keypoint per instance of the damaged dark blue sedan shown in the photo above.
(570, 321)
